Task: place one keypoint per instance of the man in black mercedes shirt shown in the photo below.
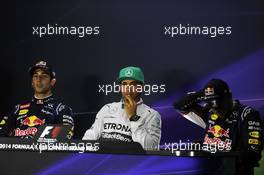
(26, 117)
(229, 124)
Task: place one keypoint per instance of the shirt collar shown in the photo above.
(43, 100)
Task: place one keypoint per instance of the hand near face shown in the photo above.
(130, 106)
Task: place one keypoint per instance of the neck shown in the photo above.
(42, 96)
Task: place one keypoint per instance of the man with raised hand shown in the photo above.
(129, 120)
(229, 125)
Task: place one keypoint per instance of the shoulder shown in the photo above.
(150, 111)
(248, 113)
(22, 106)
(114, 106)
(59, 107)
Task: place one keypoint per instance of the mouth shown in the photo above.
(39, 88)
(39, 85)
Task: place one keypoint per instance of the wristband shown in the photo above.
(134, 118)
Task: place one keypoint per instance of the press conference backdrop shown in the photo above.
(134, 33)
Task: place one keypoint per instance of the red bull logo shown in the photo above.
(218, 131)
(26, 132)
(226, 144)
(32, 121)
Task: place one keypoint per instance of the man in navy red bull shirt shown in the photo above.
(229, 124)
(42, 109)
